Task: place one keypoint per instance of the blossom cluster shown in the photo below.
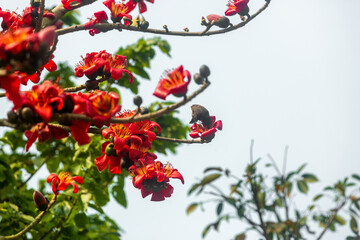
(48, 111)
(128, 147)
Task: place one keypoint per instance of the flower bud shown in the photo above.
(110, 151)
(91, 85)
(204, 71)
(144, 25)
(144, 110)
(12, 117)
(137, 101)
(27, 114)
(40, 201)
(198, 79)
(220, 21)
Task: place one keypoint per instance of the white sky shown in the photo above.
(290, 77)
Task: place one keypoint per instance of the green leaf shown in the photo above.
(317, 197)
(193, 188)
(241, 236)
(340, 220)
(191, 208)
(302, 186)
(353, 225)
(118, 192)
(310, 177)
(27, 218)
(213, 169)
(210, 178)
(301, 168)
(206, 230)
(219, 208)
(82, 221)
(356, 176)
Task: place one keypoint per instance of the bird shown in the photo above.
(200, 113)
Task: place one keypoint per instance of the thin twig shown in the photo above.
(51, 154)
(159, 138)
(251, 151)
(33, 224)
(112, 26)
(331, 219)
(83, 86)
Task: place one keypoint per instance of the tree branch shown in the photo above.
(111, 26)
(33, 224)
(331, 219)
(41, 13)
(159, 113)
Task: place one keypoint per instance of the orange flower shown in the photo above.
(154, 179)
(62, 182)
(173, 83)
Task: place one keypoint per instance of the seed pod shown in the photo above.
(199, 113)
(40, 201)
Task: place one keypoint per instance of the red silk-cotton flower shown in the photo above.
(68, 4)
(109, 158)
(24, 50)
(237, 6)
(63, 180)
(42, 98)
(154, 179)
(99, 17)
(101, 106)
(44, 132)
(102, 64)
(173, 83)
(142, 5)
(120, 10)
(206, 132)
(11, 84)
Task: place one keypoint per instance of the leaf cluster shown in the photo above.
(266, 203)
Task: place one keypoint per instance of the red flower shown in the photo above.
(154, 179)
(10, 20)
(11, 84)
(99, 17)
(204, 132)
(109, 158)
(120, 10)
(102, 63)
(237, 6)
(101, 106)
(44, 132)
(116, 66)
(23, 50)
(62, 182)
(42, 98)
(79, 131)
(67, 4)
(142, 5)
(173, 83)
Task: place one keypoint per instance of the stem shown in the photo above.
(111, 26)
(254, 191)
(41, 13)
(34, 223)
(331, 219)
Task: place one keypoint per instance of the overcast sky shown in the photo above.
(290, 77)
